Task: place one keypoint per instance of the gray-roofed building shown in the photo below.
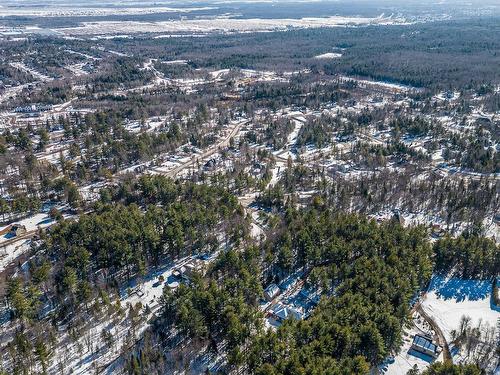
(271, 292)
(281, 313)
(425, 345)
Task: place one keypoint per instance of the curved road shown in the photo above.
(441, 339)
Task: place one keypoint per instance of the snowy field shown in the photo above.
(31, 223)
(407, 358)
(448, 299)
(71, 11)
(221, 24)
(329, 56)
(381, 84)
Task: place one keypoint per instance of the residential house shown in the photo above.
(271, 292)
(425, 345)
(17, 230)
(281, 313)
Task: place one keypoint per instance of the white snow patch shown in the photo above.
(448, 299)
(407, 358)
(329, 56)
(220, 24)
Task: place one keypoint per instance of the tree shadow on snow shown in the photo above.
(460, 289)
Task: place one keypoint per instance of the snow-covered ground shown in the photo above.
(67, 11)
(448, 299)
(40, 220)
(91, 192)
(175, 62)
(82, 54)
(77, 69)
(10, 252)
(221, 24)
(380, 84)
(407, 358)
(328, 56)
(492, 229)
(288, 152)
(89, 351)
(33, 72)
(13, 92)
(448, 96)
(217, 74)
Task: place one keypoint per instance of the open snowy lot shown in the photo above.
(448, 299)
(407, 358)
(10, 252)
(40, 220)
(329, 55)
(221, 24)
(70, 11)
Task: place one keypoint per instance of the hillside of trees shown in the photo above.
(368, 274)
(79, 266)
